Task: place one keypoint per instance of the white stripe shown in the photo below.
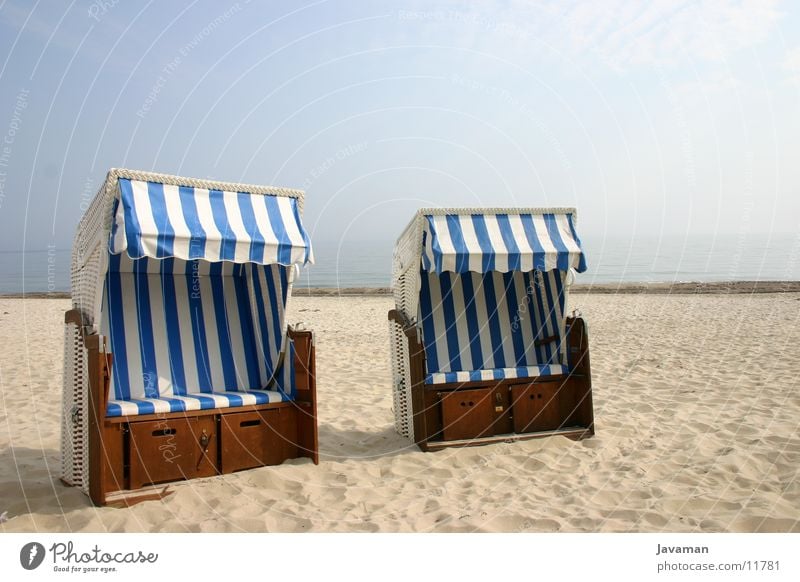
(497, 242)
(252, 271)
(462, 329)
(445, 243)
(562, 221)
(120, 242)
(183, 235)
(439, 324)
(235, 333)
(551, 253)
(525, 250)
(212, 338)
(523, 317)
(504, 318)
(159, 325)
(134, 353)
(144, 213)
(206, 216)
(265, 228)
(236, 223)
(292, 229)
(471, 242)
(182, 289)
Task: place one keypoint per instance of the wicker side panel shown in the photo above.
(72, 441)
(401, 381)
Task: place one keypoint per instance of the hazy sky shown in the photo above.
(649, 117)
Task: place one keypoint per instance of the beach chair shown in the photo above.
(178, 360)
(482, 350)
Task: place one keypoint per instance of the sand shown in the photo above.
(698, 429)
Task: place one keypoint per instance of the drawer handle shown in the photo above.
(465, 403)
(246, 423)
(164, 432)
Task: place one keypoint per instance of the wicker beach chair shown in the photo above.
(178, 359)
(482, 349)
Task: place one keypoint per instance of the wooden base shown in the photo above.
(131, 457)
(463, 414)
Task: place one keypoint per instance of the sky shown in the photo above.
(667, 118)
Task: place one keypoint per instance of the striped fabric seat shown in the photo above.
(192, 335)
(191, 402)
(495, 374)
(479, 326)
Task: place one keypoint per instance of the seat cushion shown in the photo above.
(189, 402)
(495, 374)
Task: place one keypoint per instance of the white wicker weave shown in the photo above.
(88, 270)
(406, 261)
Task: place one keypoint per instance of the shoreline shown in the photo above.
(678, 288)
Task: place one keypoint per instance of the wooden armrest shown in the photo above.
(297, 334)
(74, 316)
(399, 317)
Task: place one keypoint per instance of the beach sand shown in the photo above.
(697, 410)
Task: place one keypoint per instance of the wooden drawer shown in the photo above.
(537, 406)
(467, 414)
(255, 439)
(169, 450)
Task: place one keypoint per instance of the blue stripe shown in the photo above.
(563, 253)
(428, 328)
(542, 330)
(547, 311)
(530, 292)
(482, 234)
(513, 312)
(146, 343)
(174, 347)
(426, 260)
(533, 240)
(197, 240)
(471, 314)
(276, 221)
(227, 250)
(218, 293)
(198, 327)
(158, 207)
(114, 226)
(133, 231)
(257, 241)
(436, 249)
(116, 324)
(457, 238)
(451, 330)
(514, 259)
(494, 320)
(248, 335)
(266, 352)
(272, 293)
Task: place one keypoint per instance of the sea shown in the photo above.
(611, 259)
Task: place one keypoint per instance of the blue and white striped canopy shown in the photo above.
(162, 221)
(481, 243)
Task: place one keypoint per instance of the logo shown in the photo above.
(31, 555)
